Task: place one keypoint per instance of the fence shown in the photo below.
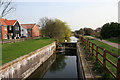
(102, 57)
(17, 40)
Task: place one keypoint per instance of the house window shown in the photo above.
(5, 28)
(10, 27)
(16, 28)
(5, 36)
(17, 35)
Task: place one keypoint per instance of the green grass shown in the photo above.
(15, 50)
(114, 40)
(110, 57)
(106, 46)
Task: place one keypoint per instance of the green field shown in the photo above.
(15, 50)
(109, 48)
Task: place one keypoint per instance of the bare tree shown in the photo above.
(5, 8)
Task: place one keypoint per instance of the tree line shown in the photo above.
(108, 30)
(85, 31)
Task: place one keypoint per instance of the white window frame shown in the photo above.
(5, 36)
(10, 27)
(5, 28)
(18, 35)
(16, 28)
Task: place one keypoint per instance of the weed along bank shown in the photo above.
(22, 67)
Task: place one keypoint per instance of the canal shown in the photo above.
(60, 65)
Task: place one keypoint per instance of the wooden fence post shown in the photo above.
(104, 58)
(96, 53)
(92, 48)
(87, 43)
(118, 68)
(89, 46)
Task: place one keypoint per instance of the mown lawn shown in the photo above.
(109, 48)
(15, 50)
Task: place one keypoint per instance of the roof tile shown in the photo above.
(28, 26)
(7, 22)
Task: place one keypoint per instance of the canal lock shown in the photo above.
(64, 63)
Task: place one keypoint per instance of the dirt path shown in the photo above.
(107, 42)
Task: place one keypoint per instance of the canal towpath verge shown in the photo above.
(107, 42)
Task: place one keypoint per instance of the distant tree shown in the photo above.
(54, 28)
(98, 30)
(89, 31)
(81, 31)
(77, 31)
(110, 30)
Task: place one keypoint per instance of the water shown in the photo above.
(59, 66)
(73, 39)
(63, 67)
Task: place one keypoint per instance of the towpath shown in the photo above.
(107, 42)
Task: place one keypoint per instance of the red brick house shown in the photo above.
(32, 29)
(4, 29)
(10, 29)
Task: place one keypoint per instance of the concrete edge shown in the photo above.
(87, 72)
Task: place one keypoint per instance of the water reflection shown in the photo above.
(63, 67)
(40, 72)
(59, 64)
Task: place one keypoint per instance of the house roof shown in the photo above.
(28, 26)
(7, 22)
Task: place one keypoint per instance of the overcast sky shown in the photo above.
(77, 13)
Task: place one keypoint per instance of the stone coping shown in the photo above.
(24, 57)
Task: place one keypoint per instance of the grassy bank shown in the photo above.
(114, 40)
(15, 50)
(104, 45)
(109, 48)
